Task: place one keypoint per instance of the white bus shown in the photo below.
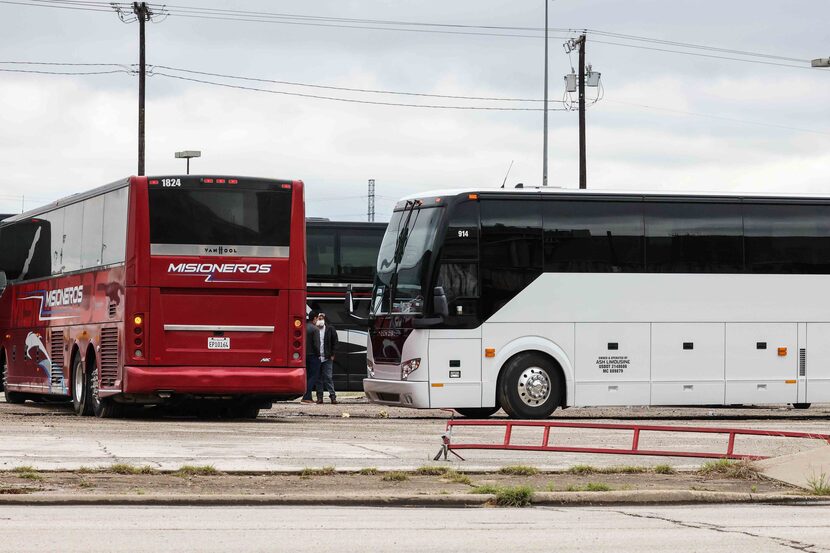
(535, 299)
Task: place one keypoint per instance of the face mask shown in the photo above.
(321, 324)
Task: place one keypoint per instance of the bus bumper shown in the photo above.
(215, 380)
(397, 392)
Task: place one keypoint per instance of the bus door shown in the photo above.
(455, 346)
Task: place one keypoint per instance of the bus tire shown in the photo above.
(81, 394)
(530, 386)
(477, 412)
(242, 410)
(801, 405)
(14, 398)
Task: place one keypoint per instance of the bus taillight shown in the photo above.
(298, 339)
(138, 331)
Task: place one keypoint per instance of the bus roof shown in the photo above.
(572, 192)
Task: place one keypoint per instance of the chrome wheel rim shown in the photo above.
(78, 382)
(534, 386)
(4, 376)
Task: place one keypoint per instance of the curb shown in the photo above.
(630, 497)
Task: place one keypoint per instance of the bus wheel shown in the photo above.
(242, 410)
(11, 397)
(103, 408)
(801, 405)
(477, 412)
(530, 387)
(81, 400)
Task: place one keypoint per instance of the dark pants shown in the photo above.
(312, 374)
(326, 381)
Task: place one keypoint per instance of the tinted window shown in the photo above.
(511, 250)
(18, 245)
(693, 238)
(359, 252)
(47, 254)
(787, 238)
(461, 240)
(227, 217)
(73, 228)
(115, 226)
(593, 236)
(92, 232)
(320, 248)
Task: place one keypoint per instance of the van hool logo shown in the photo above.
(58, 304)
(210, 270)
(221, 250)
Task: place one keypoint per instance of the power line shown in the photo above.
(348, 100)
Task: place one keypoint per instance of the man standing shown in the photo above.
(327, 340)
(312, 356)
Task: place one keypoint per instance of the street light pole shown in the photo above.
(187, 154)
(545, 139)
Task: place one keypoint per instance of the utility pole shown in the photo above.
(370, 215)
(582, 163)
(142, 13)
(545, 139)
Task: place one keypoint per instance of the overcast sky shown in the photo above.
(666, 121)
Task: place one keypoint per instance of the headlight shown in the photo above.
(370, 368)
(409, 367)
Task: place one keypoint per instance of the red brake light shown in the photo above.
(220, 181)
(154, 181)
(233, 181)
(286, 186)
(207, 181)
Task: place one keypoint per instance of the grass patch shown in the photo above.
(368, 471)
(85, 484)
(324, 471)
(126, 468)
(486, 489)
(428, 470)
(819, 485)
(519, 470)
(743, 470)
(458, 477)
(664, 469)
(16, 491)
(590, 487)
(197, 470)
(86, 470)
(518, 496)
(24, 468)
(27, 473)
(395, 476)
(582, 469)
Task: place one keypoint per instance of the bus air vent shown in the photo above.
(802, 362)
(109, 357)
(113, 308)
(56, 348)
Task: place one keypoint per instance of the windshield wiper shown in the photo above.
(400, 247)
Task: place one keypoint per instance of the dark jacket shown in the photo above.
(312, 342)
(329, 341)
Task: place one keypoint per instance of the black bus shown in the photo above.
(342, 253)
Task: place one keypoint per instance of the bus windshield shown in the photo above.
(201, 221)
(403, 260)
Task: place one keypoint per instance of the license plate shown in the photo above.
(219, 343)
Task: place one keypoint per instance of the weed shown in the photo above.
(582, 469)
(458, 477)
(519, 470)
(753, 488)
(428, 470)
(395, 476)
(86, 470)
(368, 471)
(627, 469)
(664, 469)
(197, 470)
(743, 469)
(590, 487)
(819, 485)
(28, 473)
(486, 489)
(324, 471)
(383, 415)
(125, 468)
(24, 468)
(519, 496)
(551, 487)
(84, 483)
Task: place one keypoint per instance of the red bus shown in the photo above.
(152, 290)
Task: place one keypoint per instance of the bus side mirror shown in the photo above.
(439, 302)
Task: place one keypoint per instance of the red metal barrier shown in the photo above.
(451, 446)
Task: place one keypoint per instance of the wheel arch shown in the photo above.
(542, 346)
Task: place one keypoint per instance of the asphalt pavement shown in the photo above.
(680, 529)
(355, 435)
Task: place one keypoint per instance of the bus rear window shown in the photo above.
(188, 221)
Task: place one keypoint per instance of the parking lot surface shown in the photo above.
(355, 435)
